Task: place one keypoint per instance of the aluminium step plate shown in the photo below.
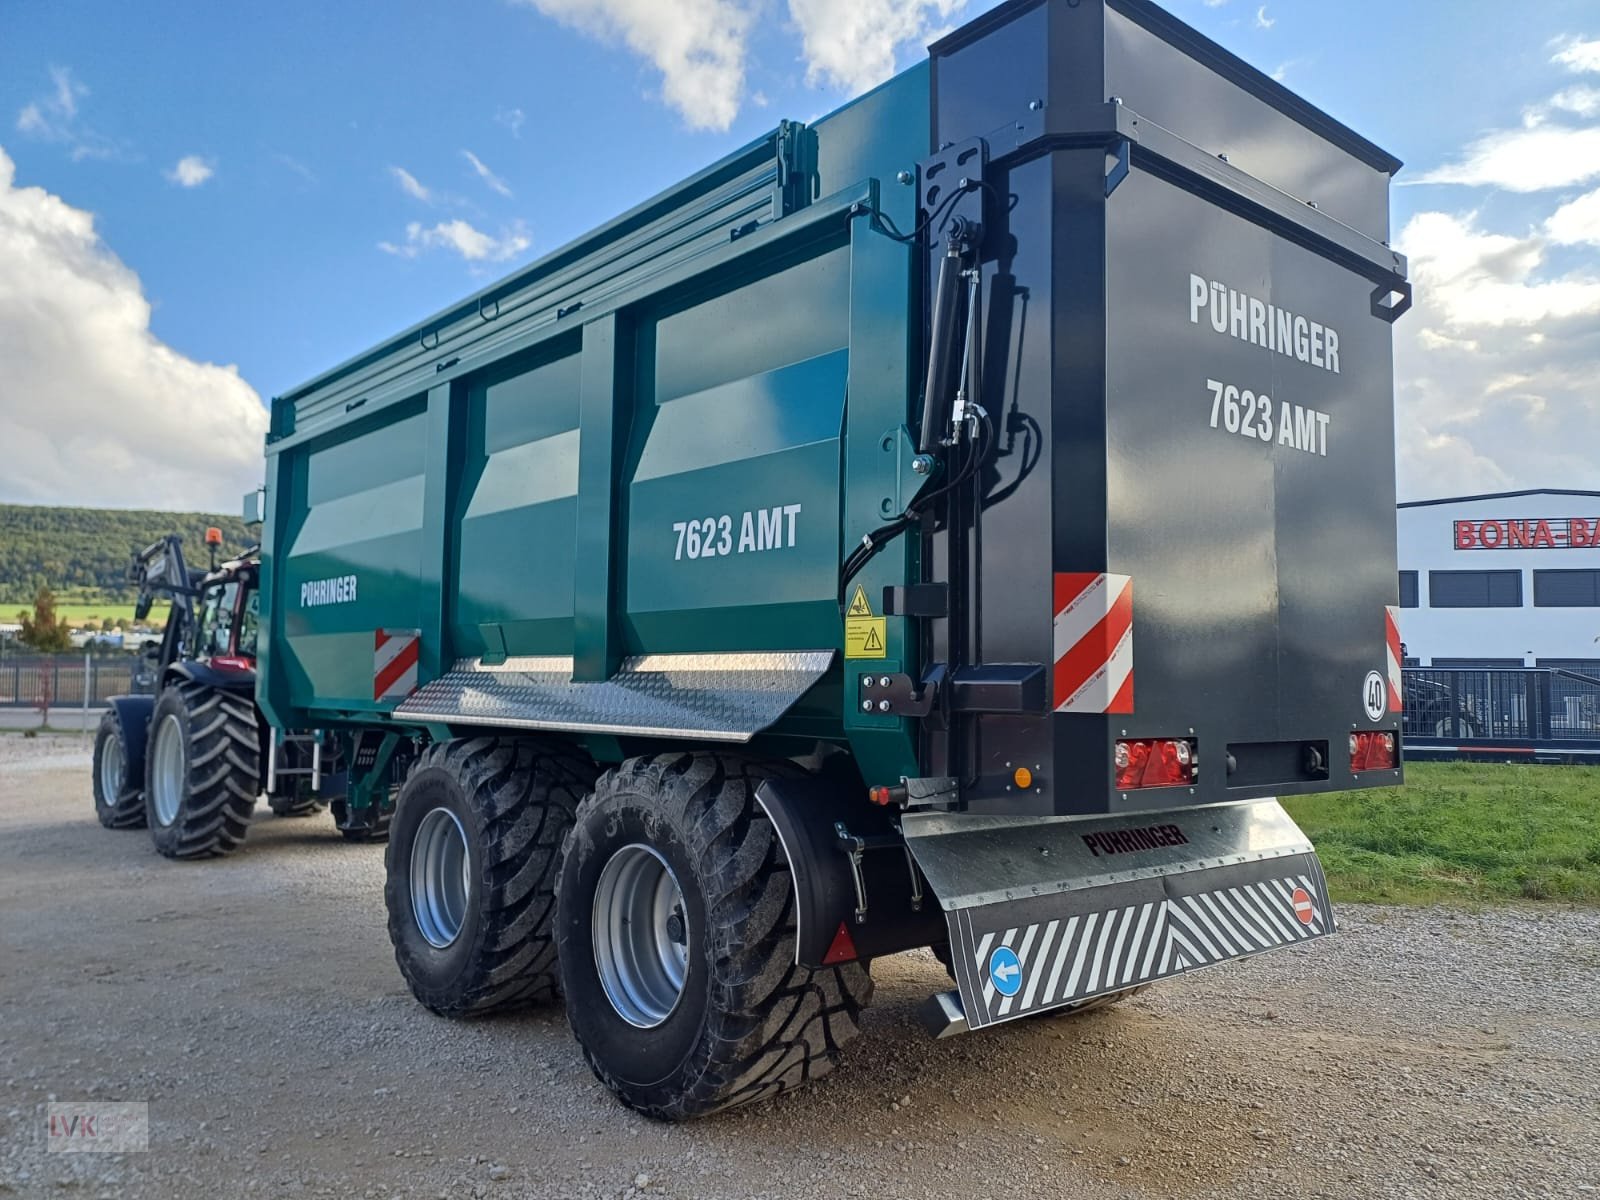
(715, 697)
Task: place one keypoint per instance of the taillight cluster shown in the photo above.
(1373, 751)
(1155, 762)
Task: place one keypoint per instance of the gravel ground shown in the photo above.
(254, 1004)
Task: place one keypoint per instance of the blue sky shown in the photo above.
(286, 184)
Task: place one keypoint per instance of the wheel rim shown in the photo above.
(111, 771)
(641, 936)
(167, 775)
(441, 877)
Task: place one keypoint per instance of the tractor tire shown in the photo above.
(294, 805)
(202, 771)
(378, 831)
(473, 856)
(117, 800)
(677, 939)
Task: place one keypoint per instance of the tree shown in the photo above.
(42, 631)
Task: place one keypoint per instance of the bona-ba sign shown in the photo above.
(1529, 533)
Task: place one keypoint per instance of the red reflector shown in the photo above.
(1155, 762)
(841, 949)
(878, 795)
(232, 662)
(1374, 751)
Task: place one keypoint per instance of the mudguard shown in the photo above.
(133, 717)
(851, 870)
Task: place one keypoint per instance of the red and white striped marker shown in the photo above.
(394, 663)
(1093, 643)
(1391, 637)
(1303, 908)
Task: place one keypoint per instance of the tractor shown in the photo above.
(189, 759)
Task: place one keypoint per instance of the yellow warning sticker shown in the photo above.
(864, 637)
(859, 605)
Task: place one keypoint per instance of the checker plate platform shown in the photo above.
(715, 697)
(1049, 912)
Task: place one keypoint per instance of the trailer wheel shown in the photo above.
(471, 870)
(296, 804)
(202, 771)
(117, 801)
(676, 918)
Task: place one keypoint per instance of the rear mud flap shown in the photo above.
(1049, 912)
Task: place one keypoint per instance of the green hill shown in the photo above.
(82, 554)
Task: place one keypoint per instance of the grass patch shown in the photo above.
(76, 615)
(1462, 833)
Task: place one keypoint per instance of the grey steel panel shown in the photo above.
(1074, 908)
(715, 697)
(976, 860)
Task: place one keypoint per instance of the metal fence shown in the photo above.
(64, 679)
(1541, 707)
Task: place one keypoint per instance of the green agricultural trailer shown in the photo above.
(950, 523)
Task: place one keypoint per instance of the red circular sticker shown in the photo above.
(1302, 906)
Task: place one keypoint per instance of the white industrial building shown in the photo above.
(1507, 579)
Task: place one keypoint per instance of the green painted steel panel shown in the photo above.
(516, 508)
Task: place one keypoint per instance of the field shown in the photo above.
(76, 614)
(1462, 833)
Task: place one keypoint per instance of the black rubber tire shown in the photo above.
(221, 770)
(377, 832)
(749, 1024)
(296, 804)
(125, 809)
(515, 799)
(942, 953)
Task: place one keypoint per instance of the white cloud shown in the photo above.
(1576, 222)
(698, 46)
(1525, 160)
(54, 117)
(851, 44)
(191, 171)
(512, 119)
(409, 185)
(1580, 100)
(96, 409)
(464, 239)
(493, 181)
(1262, 20)
(1579, 55)
(1495, 365)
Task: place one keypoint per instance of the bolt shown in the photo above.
(883, 706)
(866, 706)
(1036, 105)
(1223, 157)
(1116, 100)
(883, 681)
(866, 681)
(906, 177)
(964, 183)
(922, 464)
(676, 929)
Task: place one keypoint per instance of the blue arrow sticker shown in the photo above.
(1005, 970)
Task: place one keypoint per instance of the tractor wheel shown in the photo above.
(202, 771)
(377, 831)
(677, 939)
(117, 801)
(471, 870)
(296, 804)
